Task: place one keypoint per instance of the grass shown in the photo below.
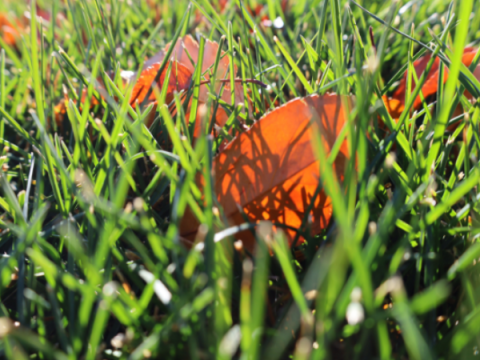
(90, 207)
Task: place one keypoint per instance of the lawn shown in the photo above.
(239, 179)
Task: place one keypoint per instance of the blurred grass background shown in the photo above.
(92, 266)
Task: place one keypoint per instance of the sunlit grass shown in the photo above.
(90, 205)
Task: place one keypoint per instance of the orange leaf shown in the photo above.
(431, 84)
(271, 171)
(180, 78)
(394, 107)
(8, 31)
(185, 70)
(179, 54)
(210, 53)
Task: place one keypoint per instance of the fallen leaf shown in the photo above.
(10, 29)
(430, 86)
(180, 79)
(13, 27)
(394, 107)
(270, 172)
(179, 54)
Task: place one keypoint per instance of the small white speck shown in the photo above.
(278, 23)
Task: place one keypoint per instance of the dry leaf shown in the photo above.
(394, 107)
(396, 104)
(180, 79)
(13, 27)
(431, 84)
(10, 29)
(270, 171)
(179, 54)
